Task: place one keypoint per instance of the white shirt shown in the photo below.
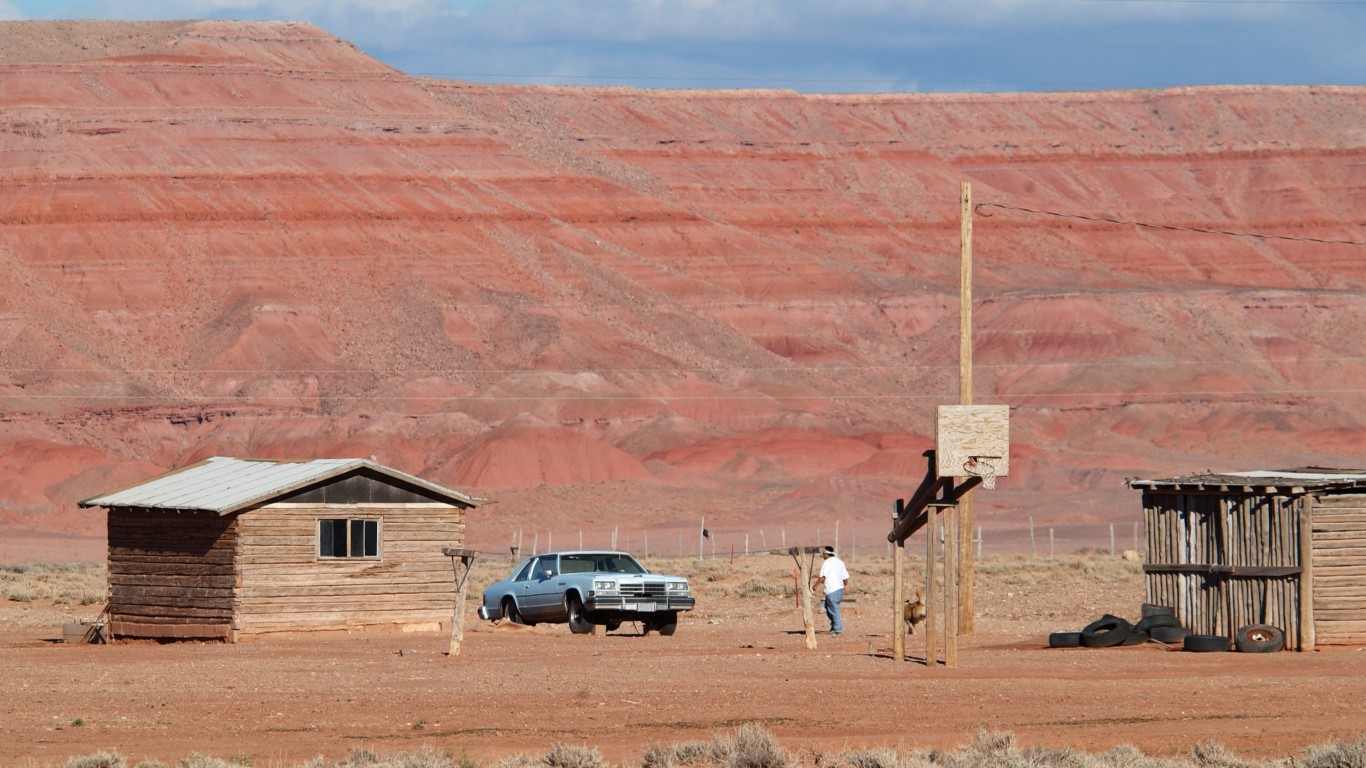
(834, 573)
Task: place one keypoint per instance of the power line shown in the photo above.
(1151, 225)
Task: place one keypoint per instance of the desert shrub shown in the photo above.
(760, 588)
(568, 756)
(97, 760)
(1339, 754)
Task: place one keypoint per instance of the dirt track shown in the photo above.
(736, 660)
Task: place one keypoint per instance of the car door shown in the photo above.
(544, 590)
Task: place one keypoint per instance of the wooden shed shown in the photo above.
(1279, 547)
(228, 548)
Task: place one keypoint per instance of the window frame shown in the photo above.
(348, 526)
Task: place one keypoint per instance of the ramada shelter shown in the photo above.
(1279, 547)
(228, 548)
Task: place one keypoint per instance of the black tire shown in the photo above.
(1105, 632)
(510, 612)
(1148, 623)
(1136, 637)
(1206, 643)
(1259, 638)
(1168, 635)
(1064, 640)
(613, 625)
(665, 625)
(1151, 609)
(579, 622)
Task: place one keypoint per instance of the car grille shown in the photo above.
(646, 589)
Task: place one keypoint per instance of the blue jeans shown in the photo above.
(832, 610)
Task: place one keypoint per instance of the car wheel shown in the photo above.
(1259, 638)
(667, 625)
(578, 617)
(510, 612)
(1168, 635)
(1152, 609)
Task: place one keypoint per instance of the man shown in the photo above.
(835, 578)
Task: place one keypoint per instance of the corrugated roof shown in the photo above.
(224, 485)
(1262, 480)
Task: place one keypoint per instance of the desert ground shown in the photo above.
(739, 658)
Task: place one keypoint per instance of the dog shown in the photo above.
(913, 612)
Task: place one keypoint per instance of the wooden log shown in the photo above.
(1306, 596)
(951, 575)
(898, 601)
(932, 604)
(805, 593)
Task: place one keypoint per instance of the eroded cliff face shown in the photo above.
(611, 307)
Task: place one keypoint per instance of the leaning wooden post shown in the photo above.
(804, 590)
(466, 558)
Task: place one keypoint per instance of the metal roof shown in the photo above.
(1300, 480)
(225, 485)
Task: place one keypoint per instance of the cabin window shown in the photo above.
(348, 538)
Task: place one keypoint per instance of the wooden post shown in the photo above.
(804, 592)
(931, 594)
(965, 517)
(1307, 573)
(898, 603)
(951, 556)
(464, 558)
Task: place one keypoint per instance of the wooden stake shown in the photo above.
(1306, 617)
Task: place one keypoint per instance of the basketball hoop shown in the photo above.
(983, 467)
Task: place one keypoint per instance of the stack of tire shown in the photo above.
(1159, 624)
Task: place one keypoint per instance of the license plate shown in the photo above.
(645, 606)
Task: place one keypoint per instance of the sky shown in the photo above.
(818, 46)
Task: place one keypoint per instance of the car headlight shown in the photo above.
(677, 586)
(604, 585)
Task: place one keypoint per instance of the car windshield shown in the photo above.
(589, 562)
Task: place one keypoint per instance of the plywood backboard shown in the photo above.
(965, 431)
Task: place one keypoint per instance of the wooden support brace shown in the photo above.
(804, 590)
(460, 559)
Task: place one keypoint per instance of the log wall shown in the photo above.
(283, 585)
(1339, 569)
(1224, 561)
(171, 574)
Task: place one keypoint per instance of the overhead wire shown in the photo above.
(1153, 225)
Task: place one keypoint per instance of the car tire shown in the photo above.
(1206, 643)
(667, 625)
(1148, 623)
(1152, 609)
(1168, 635)
(510, 612)
(1259, 638)
(1136, 637)
(1064, 640)
(579, 623)
(1105, 632)
(613, 625)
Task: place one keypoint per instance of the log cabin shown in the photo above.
(1279, 547)
(232, 548)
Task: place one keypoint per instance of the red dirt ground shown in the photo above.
(285, 699)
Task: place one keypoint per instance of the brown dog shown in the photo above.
(913, 612)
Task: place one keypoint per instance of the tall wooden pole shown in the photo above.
(931, 593)
(965, 521)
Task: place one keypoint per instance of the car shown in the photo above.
(583, 588)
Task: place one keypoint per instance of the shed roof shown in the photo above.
(225, 485)
(1271, 481)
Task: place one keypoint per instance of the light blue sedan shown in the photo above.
(587, 588)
